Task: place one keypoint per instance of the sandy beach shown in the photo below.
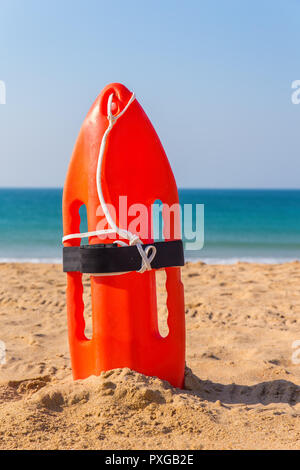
(242, 387)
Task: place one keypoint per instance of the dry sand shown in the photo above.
(242, 389)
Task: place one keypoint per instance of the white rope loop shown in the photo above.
(149, 253)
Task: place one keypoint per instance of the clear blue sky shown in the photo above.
(213, 76)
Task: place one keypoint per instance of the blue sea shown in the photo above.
(246, 225)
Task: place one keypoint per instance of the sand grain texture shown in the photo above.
(242, 388)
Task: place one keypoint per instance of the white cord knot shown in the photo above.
(134, 239)
(147, 256)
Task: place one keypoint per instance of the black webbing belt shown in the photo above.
(110, 258)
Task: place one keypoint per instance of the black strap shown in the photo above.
(111, 258)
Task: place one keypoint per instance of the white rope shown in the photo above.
(87, 234)
(149, 253)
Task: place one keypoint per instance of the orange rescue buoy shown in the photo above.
(118, 153)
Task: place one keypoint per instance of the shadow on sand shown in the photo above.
(265, 393)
